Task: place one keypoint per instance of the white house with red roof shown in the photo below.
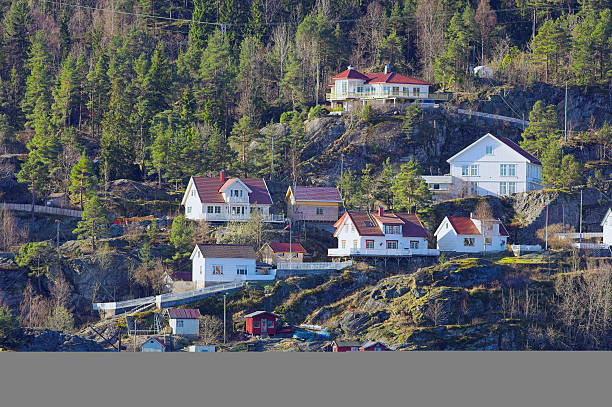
(380, 234)
(275, 252)
(489, 166)
(225, 199)
(318, 204)
(184, 322)
(469, 235)
(352, 88)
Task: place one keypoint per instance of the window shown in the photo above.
(193, 192)
(414, 244)
(270, 323)
(369, 244)
(502, 243)
(189, 209)
(281, 254)
(359, 89)
(507, 170)
(488, 241)
(489, 150)
(468, 242)
(217, 269)
(502, 188)
(416, 92)
(241, 270)
(392, 229)
(386, 90)
(392, 244)
(354, 244)
(179, 323)
(255, 323)
(343, 244)
(319, 211)
(367, 224)
(511, 187)
(200, 270)
(474, 170)
(210, 209)
(405, 91)
(217, 209)
(465, 170)
(344, 86)
(352, 227)
(436, 186)
(396, 90)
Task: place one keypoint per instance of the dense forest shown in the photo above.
(94, 91)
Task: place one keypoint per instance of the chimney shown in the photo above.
(386, 68)
(381, 211)
(471, 215)
(350, 67)
(222, 175)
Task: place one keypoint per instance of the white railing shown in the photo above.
(524, 123)
(381, 252)
(244, 218)
(51, 210)
(576, 235)
(315, 265)
(380, 95)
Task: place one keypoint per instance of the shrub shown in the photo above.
(366, 114)
(286, 117)
(317, 111)
(9, 327)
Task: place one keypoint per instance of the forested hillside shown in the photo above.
(164, 90)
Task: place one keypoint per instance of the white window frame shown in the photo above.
(369, 244)
(242, 270)
(414, 244)
(503, 188)
(217, 269)
(511, 187)
(469, 242)
(489, 150)
(392, 243)
(319, 211)
(474, 170)
(180, 323)
(189, 209)
(343, 244)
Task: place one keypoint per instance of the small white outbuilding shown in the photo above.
(202, 348)
(184, 322)
(153, 345)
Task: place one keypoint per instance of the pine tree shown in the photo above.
(409, 189)
(39, 82)
(542, 129)
(65, 38)
(83, 180)
(66, 96)
(220, 154)
(549, 44)
(15, 44)
(94, 221)
(98, 86)
(243, 134)
(383, 187)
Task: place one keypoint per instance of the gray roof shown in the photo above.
(355, 344)
(227, 251)
(371, 343)
(254, 314)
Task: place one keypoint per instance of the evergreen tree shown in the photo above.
(383, 187)
(38, 83)
(549, 44)
(560, 170)
(368, 187)
(66, 96)
(83, 180)
(15, 41)
(220, 154)
(94, 221)
(98, 86)
(65, 38)
(243, 134)
(412, 117)
(181, 235)
(409, 189)
(542, 129)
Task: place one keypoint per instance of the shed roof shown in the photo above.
(156, 340)
(286, 247)
(257, 313)
(369, 344)
(346, 344)
(180, 313)
(315, 194)
(210, 188)
(221, 251)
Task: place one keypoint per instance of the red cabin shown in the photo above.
(345, 346)
(261, 323)
(373, 346)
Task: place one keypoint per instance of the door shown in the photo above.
(264, 326)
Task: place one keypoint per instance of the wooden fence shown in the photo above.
(51, 210)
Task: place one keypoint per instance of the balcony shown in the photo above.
(359, 252)
(227, 217)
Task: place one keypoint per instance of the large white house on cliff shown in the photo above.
(351, 88)
(489, 166)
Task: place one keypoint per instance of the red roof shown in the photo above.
(411, 224)
(379, 77)
(463, 226)
(158, 341)
(519, 150)
(392, 77)
(209, 190)
(318, 194)
(179, 313)
(287, 247)
(350, 74)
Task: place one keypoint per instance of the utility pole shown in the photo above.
(546, 244)
(580, 220)
(224, 296)
(57, 223)
(290, 251)
(565, 115)
(534, 25)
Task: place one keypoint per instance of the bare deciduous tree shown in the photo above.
(436, 312)
(34, 308)
(211, 328)
(202, 233)
(484, 213)
(430, 33)
(152, 280)
(10, 233)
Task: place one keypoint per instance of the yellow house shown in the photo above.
(313, 203)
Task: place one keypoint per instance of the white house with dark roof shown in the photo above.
(318, 204)
(489, 166)
(380, 234)
(469, 235)
(351, 88)
(227, 199)
(224, 263)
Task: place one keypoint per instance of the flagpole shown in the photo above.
(290, 227)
